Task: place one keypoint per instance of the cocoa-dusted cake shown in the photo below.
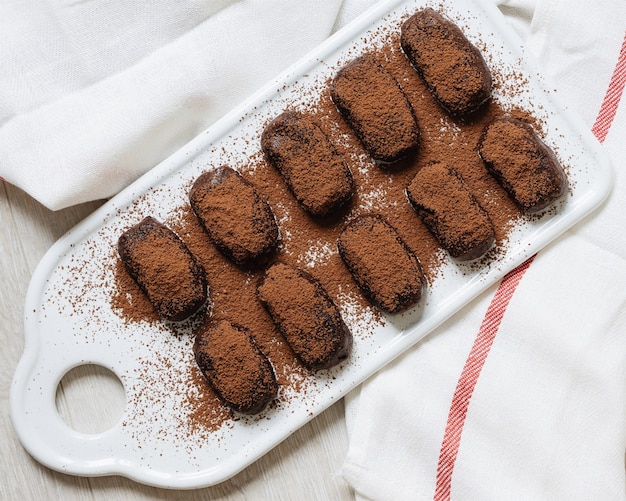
(306, 316)
(451, 66)
(375, 107)
(522, 163)
(449, 210)
(234, 366)
(385, 269)
(235, 216)
(311, 166)
(164, 268)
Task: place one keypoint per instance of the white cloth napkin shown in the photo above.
(545, 418)
(95, 93)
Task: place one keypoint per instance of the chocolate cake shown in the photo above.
(373, 104)
(164, 268)
(385, 269)
(234, 366)
(452, 68)
(315, 172)
(306, 316)
(449, 210)
(238, 220)
(522, 163)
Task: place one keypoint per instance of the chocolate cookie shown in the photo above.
(311, 166)
(522, 163)
(306, 316)
(238, 220)
(234, 366)
(452, 68)
(375, 107)
(449, 210)
(164, 268)
(382, 265)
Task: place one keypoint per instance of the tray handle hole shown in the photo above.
(90, 399)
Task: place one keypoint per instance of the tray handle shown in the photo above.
(41, 429)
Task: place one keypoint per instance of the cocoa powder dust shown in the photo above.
(311, 243)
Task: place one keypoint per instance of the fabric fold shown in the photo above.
(109, 132)
(546, 415)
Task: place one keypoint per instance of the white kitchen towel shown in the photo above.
(95, 93)
(522, 395)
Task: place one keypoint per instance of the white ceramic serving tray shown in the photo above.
(69, 321)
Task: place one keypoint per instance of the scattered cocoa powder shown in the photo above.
(310, 243)
(206, 411)
(128, 299)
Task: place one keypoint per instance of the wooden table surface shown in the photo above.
(305, 466)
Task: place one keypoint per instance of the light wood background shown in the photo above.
(305, 466)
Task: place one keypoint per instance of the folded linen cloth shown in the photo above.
(522, 395)
(93, 94)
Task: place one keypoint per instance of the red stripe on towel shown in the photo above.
(608, 109)
(469, 377)
(491, 322)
